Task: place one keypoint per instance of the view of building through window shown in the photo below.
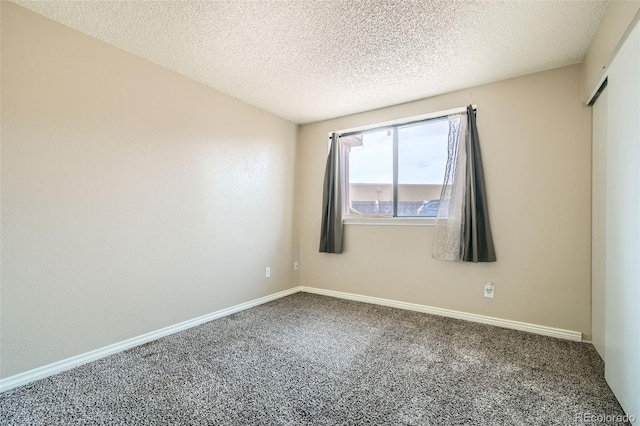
(420, 163)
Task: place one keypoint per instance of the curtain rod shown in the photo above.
(441, 115)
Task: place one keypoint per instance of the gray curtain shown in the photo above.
(477, 238)
(331, 232)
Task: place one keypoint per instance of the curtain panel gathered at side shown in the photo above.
(463, 231)
(332, 209)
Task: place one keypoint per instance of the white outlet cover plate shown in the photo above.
(489, 290)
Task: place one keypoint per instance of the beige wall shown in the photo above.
(132, 198)
(536, 145)
(612, 27)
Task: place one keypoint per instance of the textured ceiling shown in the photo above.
(308, 60)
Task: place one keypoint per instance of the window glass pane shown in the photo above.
(422, 157)
(370, 172)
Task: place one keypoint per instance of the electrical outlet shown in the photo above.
(296, 265)
(488, 290)
(267, 272)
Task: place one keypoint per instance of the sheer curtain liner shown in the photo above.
(463, 231)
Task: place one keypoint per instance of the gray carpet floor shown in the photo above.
(309, 359)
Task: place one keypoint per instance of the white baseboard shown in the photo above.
(78, 360)
(514, 325)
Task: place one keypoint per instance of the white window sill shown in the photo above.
(390, 221)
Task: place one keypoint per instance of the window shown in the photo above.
(395, 171)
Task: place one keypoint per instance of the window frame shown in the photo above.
(393, 125)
